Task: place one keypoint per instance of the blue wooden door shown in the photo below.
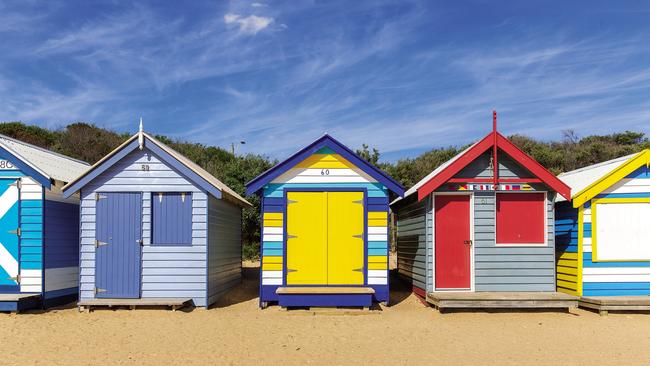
(9, 236)
(118, 248)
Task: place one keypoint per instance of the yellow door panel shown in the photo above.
(306, 238)
(345, 233)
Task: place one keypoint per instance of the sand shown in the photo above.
(237, 332)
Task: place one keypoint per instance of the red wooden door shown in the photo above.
(452, 242)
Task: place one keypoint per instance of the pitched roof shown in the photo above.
(204, 179)
(453, 166)
(48, 163)
(325, 141)
(591, 180)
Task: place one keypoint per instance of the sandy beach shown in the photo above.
(237, 332)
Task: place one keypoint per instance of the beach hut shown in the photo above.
(156, 229)
(39, 260)
(603, 234)
(478, 231)
(324, 228)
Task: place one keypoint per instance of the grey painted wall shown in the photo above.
(411, 241)
(224, 247)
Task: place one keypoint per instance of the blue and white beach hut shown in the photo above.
(39, 257)
(156, 229)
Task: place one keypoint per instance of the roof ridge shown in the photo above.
(598, 165)
(42, 149)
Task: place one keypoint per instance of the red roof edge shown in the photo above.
(455, 167)
(533, 166)
(509, 148)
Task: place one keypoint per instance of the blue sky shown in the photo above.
(402, 76)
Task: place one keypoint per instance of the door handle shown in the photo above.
(468, 242)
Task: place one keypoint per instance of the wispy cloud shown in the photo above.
(251, 24)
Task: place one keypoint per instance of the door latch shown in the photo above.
(99, 243)
(15, 232)
(468, 242)
(17, 278)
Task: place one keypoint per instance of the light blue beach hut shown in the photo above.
(156, 229)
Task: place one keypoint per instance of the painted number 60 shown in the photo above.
(325, 172)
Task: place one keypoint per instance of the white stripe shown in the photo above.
(8, 199)
(616, 271)
(378, 237)
(8, 262)
(271, 274)
(273, 230)
(377, 281)
(630, 185)
(31, 280)
(377, 230)
(586, 241)
(31, 288)
(377, 273)
(299, 175)
(616, 278)
(586, 249)
(273, 237)
(271, 281)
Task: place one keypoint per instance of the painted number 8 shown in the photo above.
(325, 172)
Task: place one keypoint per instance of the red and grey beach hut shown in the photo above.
(478, 231)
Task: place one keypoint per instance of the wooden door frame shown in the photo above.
(472, 287)
(285, 221)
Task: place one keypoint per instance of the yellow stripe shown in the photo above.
(570, 291)
(566, 262)
(378, 265)
(378, 222)
(568, 285)
(272, 267)
(581, 230)
(272, 259)
(273, 223)
(568, 270)
(273, 216)
(568, 255)
(325, 161)
(640, 159)
(383, 215)
(377, 259)
(566, 277)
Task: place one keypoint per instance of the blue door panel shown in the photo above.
(118, 251)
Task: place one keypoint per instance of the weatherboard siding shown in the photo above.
(167, 271)
(31, 239)
(411, 241)
(324, 170)
(618, 278)
(481, 167)
(567, 251)
(61, 248)
(224, 247)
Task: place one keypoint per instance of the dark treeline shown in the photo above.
(90, 143)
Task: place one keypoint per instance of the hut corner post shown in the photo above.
(495, 162)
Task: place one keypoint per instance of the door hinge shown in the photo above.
(291, 201)
(98, 196)
(359, 269)
(291, 270)
(291, 236)
(468, 242)
(16, 232)
(358, 202)
(358, 236)
(99, 243)
(17, 278)
(99, 290)
(140, 241)
(18, 183)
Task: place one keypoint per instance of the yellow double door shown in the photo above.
(325, 238)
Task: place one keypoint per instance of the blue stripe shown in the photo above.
(32, 235)
(31, 211)
(31, 203)
(378, 200)
(31, 265)
(373, 251)
(624, 195)
(616, 286)
(31, 258)
(32, 219)
(11, 173)
(272, 245)
(31, 242)
(30, 250)
(272, 252)
(378, 208)
(641, 173)
(31, 227)
(609, 292)
(374, 189)
(273, 208)
(377, 245)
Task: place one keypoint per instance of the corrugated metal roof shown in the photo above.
(435, 172)
(579, 179)
(50, 164)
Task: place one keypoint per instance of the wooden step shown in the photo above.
(324, 290)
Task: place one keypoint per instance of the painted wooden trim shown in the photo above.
(490, 180)
(326, 141)
(581, 219)
(592, 190)
(25, 167)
